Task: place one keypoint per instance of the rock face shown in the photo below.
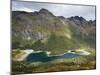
(28, 28)
(34, 24)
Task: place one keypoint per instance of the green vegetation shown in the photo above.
(60, 44)
(38, 45)
(80, 63)
(19, 43)
(43, 31)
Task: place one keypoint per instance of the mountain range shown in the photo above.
(42, 30)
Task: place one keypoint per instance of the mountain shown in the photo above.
(42, 30)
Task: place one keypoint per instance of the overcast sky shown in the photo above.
(88, 12)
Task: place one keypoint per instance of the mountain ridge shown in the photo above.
(50, 32)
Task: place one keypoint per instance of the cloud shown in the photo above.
(66, 10)
(20, 7)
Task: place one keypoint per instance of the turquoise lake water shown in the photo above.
(43, 57)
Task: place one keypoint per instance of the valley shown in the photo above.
(43, 42)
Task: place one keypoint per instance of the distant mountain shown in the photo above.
(45, 31)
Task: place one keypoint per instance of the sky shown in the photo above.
(66, 10)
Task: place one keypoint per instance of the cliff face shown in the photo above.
(35, 24)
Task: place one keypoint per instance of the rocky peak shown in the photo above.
(45, 11)
(61, 17)
(77, 18)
